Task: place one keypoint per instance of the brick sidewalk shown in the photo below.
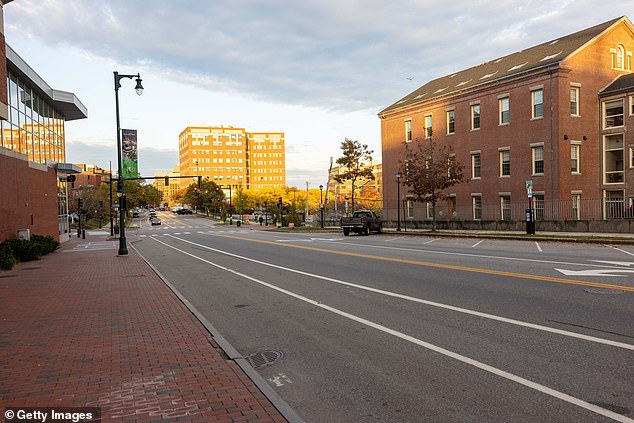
(88, 328)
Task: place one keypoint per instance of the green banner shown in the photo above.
(130, 157)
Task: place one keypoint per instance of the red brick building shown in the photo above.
(529, 116)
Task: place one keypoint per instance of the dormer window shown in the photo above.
(620, 54)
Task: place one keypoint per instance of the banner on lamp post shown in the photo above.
(129, 153)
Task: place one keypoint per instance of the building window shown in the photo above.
(428, 130)
(632, 105)
(575, 150)
(409, 207)
(477, 207)
(613, 113)
(619, 58)
(613, 159)
(430, 210)
(505, 116)
(451, 123)
(505, 163)
(537, 99)
(574, 101)
(408, 131)
(576, 206)
(475, 116)
(538, 205)
(538, 160)
(505, 207)
(631, 157)
(451, 206)
(475, 166)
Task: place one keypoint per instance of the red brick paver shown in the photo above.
(90, 328)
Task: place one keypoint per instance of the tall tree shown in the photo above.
(356, 159)
(429, 169)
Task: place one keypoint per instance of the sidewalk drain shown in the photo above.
(604, 291)
(264, 358)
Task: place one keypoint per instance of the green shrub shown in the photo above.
(7, 259)
(48, 244)
(25, 250)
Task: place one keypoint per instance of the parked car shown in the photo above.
(184, 211)
(155, 220)
(361, 222)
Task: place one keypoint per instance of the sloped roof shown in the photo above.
(542, 55)
(622, 83)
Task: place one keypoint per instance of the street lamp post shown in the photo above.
(398, 201)
(123, 249)
(321, 204)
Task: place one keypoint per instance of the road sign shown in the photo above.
(529, 185)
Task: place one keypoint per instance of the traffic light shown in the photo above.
(100, 203)
(80, 203)
(279, 201)
(200, 182)
(167, 181)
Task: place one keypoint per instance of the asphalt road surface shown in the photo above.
(389, 328)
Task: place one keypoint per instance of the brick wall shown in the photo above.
(28, 197)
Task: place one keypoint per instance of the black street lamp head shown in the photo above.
(139, 87)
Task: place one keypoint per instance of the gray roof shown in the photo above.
(545, 54)
(65, 102)
(622, 83)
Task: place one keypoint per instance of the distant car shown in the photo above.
(184, 211)
(135, 214)
(155, 220)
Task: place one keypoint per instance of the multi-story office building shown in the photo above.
(33, 193)
(528, 118)
(232, 156)
(168, 191)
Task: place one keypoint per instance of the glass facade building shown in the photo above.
(35, 128)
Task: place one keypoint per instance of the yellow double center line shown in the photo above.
(440, 265)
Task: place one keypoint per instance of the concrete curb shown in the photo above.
(284, 409)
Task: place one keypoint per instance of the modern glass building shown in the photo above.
(35, 125)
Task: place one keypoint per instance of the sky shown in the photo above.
(318, 70)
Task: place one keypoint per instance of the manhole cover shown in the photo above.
(604, 291)
(264, 358)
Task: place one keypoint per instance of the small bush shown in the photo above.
(25, 250)
(7, 259)
(47, 243)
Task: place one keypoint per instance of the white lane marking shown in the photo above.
(617, 263)
(394, 239)
(477, 243)
(420, 300)
(430, 241)
(595, 272)
(187, 233)
(459, 357)
(448, 253)
(538, 247)
(623, 251)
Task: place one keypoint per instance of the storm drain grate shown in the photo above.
(264, 358)
(604, 291)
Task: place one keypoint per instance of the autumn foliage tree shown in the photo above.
(428, 170)
(356, 159)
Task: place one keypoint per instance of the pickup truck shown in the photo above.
(361, 222)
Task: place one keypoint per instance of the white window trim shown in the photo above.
(604, 154)
(533, 90)
(500, 99)
(473, 154)
(578, 145)
(576, 87)
(454, 121)
(425, 125)
(500, 151)
(631, 105)
(473, 196)
(533, 149)
(631, 161)
(471, 108)
(411, 130)
(604, 116)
